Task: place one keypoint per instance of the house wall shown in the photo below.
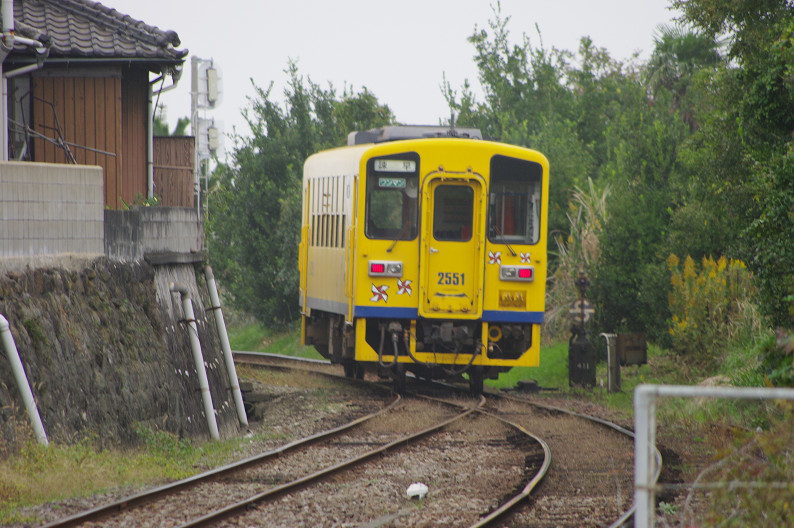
(83, 109)
(134, 130)
(101, 115)
(50, 209)
(173, 170)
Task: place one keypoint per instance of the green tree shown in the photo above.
(526, 104)
(630, 283)
(254, 220)
(680, 54)
(743, 153)
(161, 127)
(594, 118)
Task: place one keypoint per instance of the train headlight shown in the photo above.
(517, 273)
(385, 268)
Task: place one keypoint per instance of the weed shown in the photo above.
(710, 307)
(580, 252)
(39, 474)
(755, 477)
(36, 334)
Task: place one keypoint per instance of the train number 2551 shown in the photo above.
(451, 279)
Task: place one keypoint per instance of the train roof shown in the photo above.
(397, 133)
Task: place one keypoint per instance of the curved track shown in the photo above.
(246, 489)
(270, 494)
(610, 452)
(159, 506)
(168, 490)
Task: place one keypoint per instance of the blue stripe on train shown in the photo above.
(503, 316)
(490, 316)
(385, 312)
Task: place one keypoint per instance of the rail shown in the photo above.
(149, 496)
(243, 505)
(502, 510)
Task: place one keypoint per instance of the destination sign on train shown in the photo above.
(391, 183)
(388, 165)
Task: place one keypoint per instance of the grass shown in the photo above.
(256, 338)
(552, 373)
(38, 474)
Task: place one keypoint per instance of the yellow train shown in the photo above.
(423, 249)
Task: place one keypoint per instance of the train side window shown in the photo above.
(392, 197)
(336, 231)
(514, 200)
(312, 216)
(453, 207)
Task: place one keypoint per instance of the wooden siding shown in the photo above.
(173, 170)
(134, 112)
(83, 112)
(102, 116)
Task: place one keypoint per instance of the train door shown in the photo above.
(452, 244)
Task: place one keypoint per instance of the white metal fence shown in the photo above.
(645, 397)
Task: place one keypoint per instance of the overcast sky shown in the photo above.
(399, 50)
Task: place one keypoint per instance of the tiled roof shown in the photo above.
(82, 29)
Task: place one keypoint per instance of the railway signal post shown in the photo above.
(581, 354)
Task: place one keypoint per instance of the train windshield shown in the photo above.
(514, 201)
(392, 197)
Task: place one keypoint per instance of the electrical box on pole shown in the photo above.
(213, 87)
(206, 89)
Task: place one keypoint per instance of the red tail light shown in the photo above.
(525, 273)
(385, 268)
(517, 273)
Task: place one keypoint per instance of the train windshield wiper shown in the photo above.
(400, 235)
(504, 239)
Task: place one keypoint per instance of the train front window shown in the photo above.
(392, 197)
(514, 201)
(453, 207)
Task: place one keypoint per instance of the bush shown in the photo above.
(580, 252)
(764, 463)
(777, 360)
(710, 306)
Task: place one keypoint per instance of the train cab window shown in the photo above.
(392, 197)
(453, 209)
(514, 201)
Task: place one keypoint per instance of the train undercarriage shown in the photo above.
(423, 347)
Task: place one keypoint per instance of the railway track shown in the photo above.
(591, 482)
(174, 489)
(343, 467)
(248, 487)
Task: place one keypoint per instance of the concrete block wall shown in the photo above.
(48, 209)
(129, 235)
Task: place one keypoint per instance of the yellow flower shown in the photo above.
(689, 268)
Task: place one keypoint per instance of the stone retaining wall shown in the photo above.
(106, 352)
